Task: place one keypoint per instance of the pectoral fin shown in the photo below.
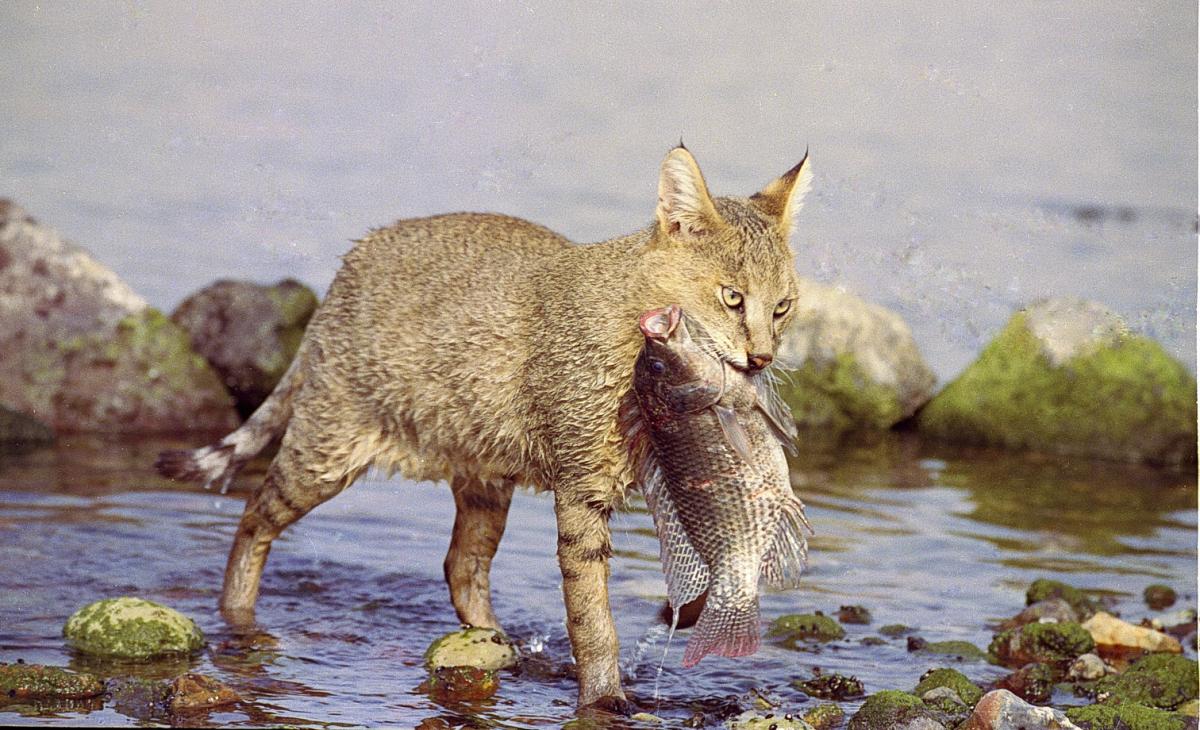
(777, 413)
(734, 433)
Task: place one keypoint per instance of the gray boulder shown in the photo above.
(81, 351)
(850, 364)
(1067, 376)
(249, 333)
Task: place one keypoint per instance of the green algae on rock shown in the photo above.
(891, 708)
(471, 647)
(955, 680)
(131, 628)
(1128, 716)
(797, 627)
(961, 650)
(831, 687)
(1044, 589)
(1164, 681)
(1057, 644)
(825, 716)
(35, 681)
(461, 683)
(1068, 377)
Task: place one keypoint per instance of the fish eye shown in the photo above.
(658, 367)
(783, 307)
(731, 297)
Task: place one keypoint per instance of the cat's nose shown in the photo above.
(757, 361)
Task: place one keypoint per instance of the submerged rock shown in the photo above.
(471, 647)
(1117, 638)
(797, 627)
(831, 687)
(897, 710)
(131, 628)
(854, 615)
(850, 364)
(248, 332)
(1158, 596)
(1165, 681)
(961, 650)
(35, 681)
(751, 720)
(1067, 377)
(461, 683)
(83, 352)
(825, 717)
(1003, 710)
(1056, 644)
(197, 692)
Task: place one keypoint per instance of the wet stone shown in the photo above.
(894, 630)
(960, 650)
(1057, 644)
(35, 681)
(825, 716)
(1128, 717)
(1003, 710)
(1158, 596)
(460, 683)
(131, 628)
(1165, 681)
(794, 628)
(474, 647)
(1032, 683)
(964, 689)
(197, 692)
(854, 615)
(771, 721)
(895, 709)
(1049, 610)
(1120, 639)
(1087, 667)
(1044, 589)
(831, 687)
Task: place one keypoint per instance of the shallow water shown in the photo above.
(944, 541)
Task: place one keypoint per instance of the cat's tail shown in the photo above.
(220, 462)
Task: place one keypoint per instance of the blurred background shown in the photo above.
(968, 158)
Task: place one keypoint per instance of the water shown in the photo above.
(944, 541)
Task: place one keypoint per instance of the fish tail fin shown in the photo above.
(731, 631)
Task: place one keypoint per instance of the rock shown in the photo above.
(797, 627)
(1177, 623)
(1158, 596)
(895, 710)
(1165, 681)
(131, 628)
(1045, 589)
(831, 687)
(471, 647)
(143, 699)
(894, 630)
(1051, 609)
(193, 691)
(751, 720)
(1116, 638)
(646, 717)
(854, 615)
(19, 431)
(36, 681)
(461, 683)
(961, 650)
(1067, 377)
(249, 333)
(964, 689)
(83, 352)
(1003, 710)
(850, 364)
(1032, 682)
(1056, 644)
(1127, 717)
(1087, 667)
(825, 717)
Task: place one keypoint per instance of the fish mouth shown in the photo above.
(659, 323)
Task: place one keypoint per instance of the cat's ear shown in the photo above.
(783, 197)
(685, 210)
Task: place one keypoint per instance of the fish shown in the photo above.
(709, 440)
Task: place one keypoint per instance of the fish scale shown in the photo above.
(716, 479)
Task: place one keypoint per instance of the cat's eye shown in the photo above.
(731, 297)
(783, 307)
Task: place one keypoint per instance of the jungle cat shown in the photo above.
(489, 351)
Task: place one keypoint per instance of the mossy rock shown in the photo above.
(894, 630)
(471, 647)
(1127, 716)
(858, 615)
(1118, 397)
(1044, 589)
(1032, 682)
(961, 650)
(890, 708)
(1056, 644)
(131, 628)
(35, 681)
(838, 395)
(953, 679)
(1164, 681)
(797, 627)
(753, 721)
(461, 683)
(825, 717)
